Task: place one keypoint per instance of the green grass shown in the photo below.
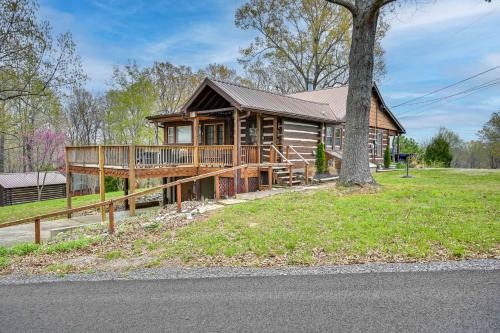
(69, 245)
(437, 214)
(15, 212)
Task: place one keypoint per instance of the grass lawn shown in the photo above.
(438, 215)
(15, 212)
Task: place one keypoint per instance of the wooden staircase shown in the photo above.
(281, 177)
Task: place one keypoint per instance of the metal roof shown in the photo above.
(28, 179)
(336, 97)
(260, 100)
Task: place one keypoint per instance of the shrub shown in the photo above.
(111, 184)
(438, 152)
(387, 157)
(4, 261)
(321, 166)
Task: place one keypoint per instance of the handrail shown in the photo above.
(282, 156)
(300, 156)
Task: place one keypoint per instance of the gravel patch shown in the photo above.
(225, 272)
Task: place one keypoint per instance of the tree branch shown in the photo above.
(347, 4)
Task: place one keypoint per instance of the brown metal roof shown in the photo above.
(336, 97)
(28, 179)
(245, 98)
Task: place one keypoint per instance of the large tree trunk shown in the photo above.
(355, 165)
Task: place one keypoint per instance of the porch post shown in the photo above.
(195, 141)
(259, 135)
(236, 140)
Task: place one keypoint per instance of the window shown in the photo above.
(183, 134)
(338, 137)
(378, 143)
(329, 137)
(209, 134)
(220, 134)
(171, 135)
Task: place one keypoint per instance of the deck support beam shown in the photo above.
(217, 188)
(270, 177)
(164, 192)
(179, 198)
(102, 187)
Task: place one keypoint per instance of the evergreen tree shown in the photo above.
(439, 151)
(321, 158)
(387, 157)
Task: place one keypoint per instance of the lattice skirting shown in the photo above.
(226, 185)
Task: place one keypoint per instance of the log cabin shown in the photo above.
(224, 125)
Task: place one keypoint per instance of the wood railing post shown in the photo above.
(290, 176)
(306, 173)
(246, 178)
(38, 237)
(102, 187)
(217, 188)
(270, 176)
(111, 223)
(131, 179)
(179, 198)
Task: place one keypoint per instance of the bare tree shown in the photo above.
(305, 42)
(84, 116)
(365, 14)
(31, 61)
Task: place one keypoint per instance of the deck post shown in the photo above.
(179, 198)
(111, 223)
(270, 176)
(246, 179)
(164, 191)
(131, 178)
(217, 188)
(290, 176)
(125, 192)
(68, 182)
(102, 188)
(38, 237)
(195, 142)
(236, 160)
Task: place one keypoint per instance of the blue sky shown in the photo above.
(430, 44)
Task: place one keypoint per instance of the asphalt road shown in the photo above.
(452, 301)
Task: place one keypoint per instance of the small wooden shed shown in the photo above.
(17, 188)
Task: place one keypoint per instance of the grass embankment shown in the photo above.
(439, 215)
(16, 212)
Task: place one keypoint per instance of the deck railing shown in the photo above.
(163, 156)
(156, 156)
(220, 156)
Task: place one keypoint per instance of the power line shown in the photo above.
(470, 93)
(449, 86)
(474, 88)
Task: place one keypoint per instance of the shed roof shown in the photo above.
(247, 98)
(28, 179)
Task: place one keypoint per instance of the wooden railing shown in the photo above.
(249, 154)
(219, 156)
(83, 155)
(163, 156)
(302, 159)
(110, 204)
(116, 156)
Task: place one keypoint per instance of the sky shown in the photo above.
(430, 45)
